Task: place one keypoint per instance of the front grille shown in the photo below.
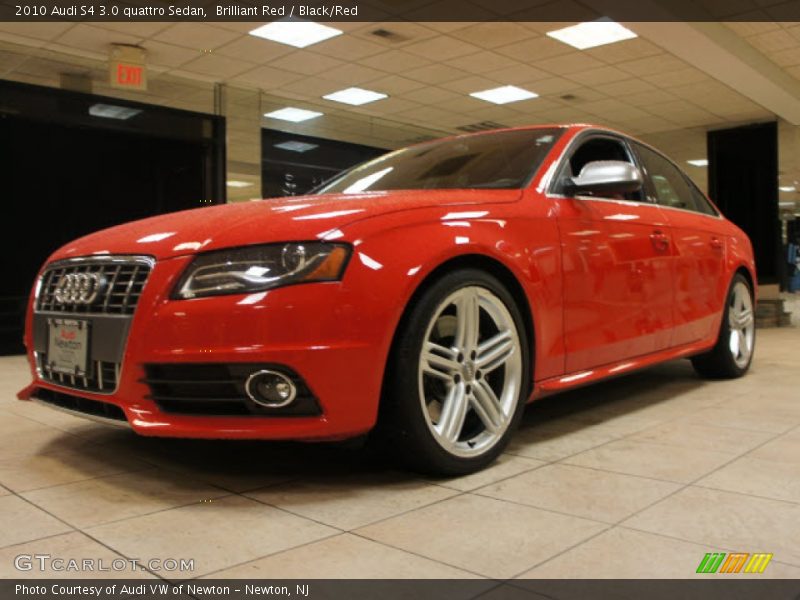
(124, 280)
(218, 389)
(102, 378)
(92, 408)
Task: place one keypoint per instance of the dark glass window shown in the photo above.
(294, 164)
(501, 160)
(668, 185)
(701, 202)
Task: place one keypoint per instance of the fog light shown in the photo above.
(270, 389)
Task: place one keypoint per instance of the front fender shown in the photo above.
(394, 254)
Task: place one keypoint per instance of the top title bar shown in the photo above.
(399, 10)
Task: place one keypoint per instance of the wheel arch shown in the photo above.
(495, 268)
(745, 272)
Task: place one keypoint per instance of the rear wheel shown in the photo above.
(733, 352)
(457, 383)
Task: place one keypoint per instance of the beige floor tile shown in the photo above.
(351, 501)
(770, 396)
(67, 547)
(483, 535)
(344, 556)
(726, 520)
(627, 554)
(50, 417)
(216, 535)
(20, 521)
(4, 491)
(758, 477)
(659, 461)
(597, 495)
(12, 423)
(752, 419)
(506, 465)
(30, 471)
(702, 437)
(556, 440)
(105, 499)
(785, 448)
(40, 440)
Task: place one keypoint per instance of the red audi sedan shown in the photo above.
(425, 296)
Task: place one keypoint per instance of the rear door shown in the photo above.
(699, 239)
(617, 275)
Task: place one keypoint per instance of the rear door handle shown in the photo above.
(716, 243)
(660, 240)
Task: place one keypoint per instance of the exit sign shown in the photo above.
(131, 77)
(127, 69)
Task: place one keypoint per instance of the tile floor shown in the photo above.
(637, 477)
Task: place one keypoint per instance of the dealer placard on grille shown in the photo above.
(68, 346)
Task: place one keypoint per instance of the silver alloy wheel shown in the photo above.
(470, 371)
(741, 323)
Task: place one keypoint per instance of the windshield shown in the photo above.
(502, 160)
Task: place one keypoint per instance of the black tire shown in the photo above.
(403, 427)
(719, 362)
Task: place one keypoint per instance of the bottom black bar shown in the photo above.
(711, 587)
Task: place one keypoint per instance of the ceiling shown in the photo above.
(647, 86)
(429, 69)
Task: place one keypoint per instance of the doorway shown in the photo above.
(743, 181)
(66, 172)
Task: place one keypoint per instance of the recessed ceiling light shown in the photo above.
(295, 146)
(111, 111)
(355, 96)
(592, 34)
(295, 115)
(295, 33)
(504, 94)
(234, 183)
(787, 188)
(698, 162)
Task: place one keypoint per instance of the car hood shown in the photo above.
(273, 220)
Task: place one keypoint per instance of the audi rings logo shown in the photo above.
(78, 288)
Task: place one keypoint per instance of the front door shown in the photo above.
(617, 274)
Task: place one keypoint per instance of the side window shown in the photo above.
(701, 202)
(667, 185)
(593, 149)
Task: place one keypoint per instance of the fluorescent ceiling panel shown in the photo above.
(698, 162)
(294, 115)
(592, 34)
(238, 184)
(355, 96)
(111, 111)
(295, 146)
(504, 94)
(295, 33)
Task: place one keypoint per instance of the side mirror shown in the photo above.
(604, 178)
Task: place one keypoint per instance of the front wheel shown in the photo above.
(733, 352)
(456, 386)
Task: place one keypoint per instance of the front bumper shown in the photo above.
(333, 335)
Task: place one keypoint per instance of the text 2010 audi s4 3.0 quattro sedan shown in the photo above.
(426, 296)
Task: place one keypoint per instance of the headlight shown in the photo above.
(259, 268)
